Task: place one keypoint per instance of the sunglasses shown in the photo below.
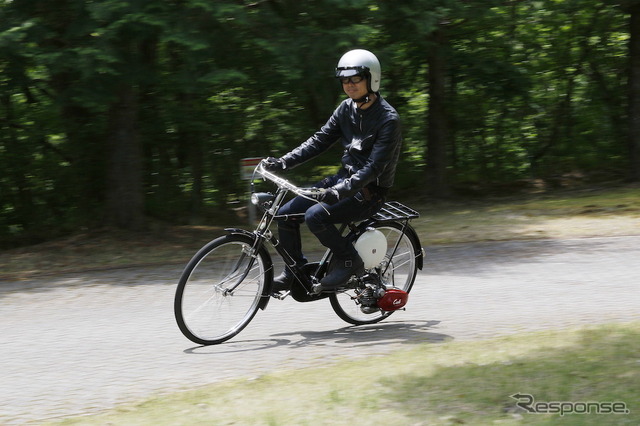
(355, 79)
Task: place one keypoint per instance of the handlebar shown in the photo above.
(308, 193)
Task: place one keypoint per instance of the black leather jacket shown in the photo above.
(371, 139)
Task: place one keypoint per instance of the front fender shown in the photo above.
(240, 231)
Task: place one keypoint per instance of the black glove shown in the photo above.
(273, 164)
(329, 196)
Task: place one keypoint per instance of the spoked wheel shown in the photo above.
(220, 289)
(398, 269)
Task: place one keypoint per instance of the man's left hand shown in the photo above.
(329, 196)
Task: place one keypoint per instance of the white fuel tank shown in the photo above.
(372, 247)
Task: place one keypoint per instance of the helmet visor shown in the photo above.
(350, 71)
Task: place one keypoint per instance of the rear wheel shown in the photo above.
(398, 269)
(220, 289)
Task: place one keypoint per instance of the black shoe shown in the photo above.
(282, 282)
(340, 270)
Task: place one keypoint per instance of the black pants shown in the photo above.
(322, 223)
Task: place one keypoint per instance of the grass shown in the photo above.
(439, 384)
(564, 214)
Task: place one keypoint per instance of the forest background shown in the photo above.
(126, 112)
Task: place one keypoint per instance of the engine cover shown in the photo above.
(393, 299)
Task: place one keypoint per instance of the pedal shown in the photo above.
(281, 296)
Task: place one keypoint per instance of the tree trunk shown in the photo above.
(124, 191)
(634, 93)
(437, 131)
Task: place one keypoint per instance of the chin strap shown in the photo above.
(363, 100)
(366, 99)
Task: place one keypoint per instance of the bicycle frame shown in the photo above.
(230, 278)
(263, 233)
(390, 212)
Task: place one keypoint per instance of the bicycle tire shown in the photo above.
(205, 311)
(401, 273)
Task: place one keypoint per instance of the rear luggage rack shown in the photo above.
(393, 210)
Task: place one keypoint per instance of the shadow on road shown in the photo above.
(371, 335)
(236, 346)
(352, 336)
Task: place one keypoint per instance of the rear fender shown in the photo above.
(413, 236)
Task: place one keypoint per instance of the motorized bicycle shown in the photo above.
(229, 279)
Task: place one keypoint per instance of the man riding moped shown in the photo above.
(369, 130)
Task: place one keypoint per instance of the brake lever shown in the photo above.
(312, 195)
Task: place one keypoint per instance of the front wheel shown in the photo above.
(399, 269)
(221, 289)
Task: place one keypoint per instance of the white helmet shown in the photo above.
(363, 62)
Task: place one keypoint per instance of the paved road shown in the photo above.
(85, 342)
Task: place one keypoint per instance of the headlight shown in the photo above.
(260, 198)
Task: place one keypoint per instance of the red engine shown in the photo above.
(393, 299)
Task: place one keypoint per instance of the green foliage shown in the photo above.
(534, 89)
